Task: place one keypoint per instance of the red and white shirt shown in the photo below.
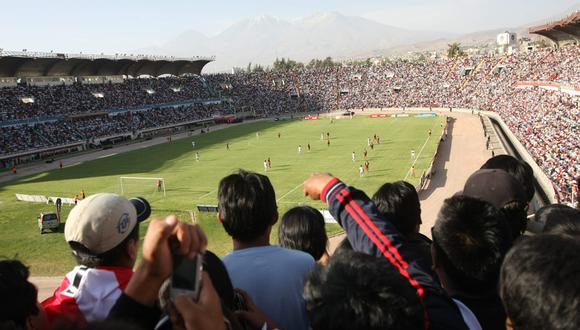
(87, 294)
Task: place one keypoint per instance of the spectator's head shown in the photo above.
(247, 206)
(399, 202)
(470, 239)
(504, 192)
(519, 169)
(22, 310)
(538, 284)
(559, 219)
(359, 291)
(103, 229)
(302, 228)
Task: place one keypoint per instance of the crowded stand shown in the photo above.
(507, 85)
(86, 129)
(84, 98)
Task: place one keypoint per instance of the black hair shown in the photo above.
(302, 228)
(399, 202)
(516, 215)
(521, 171)
(247, 205)
(359, 291)
(112, 257)
(220, 278)
(471, 238)
(559, 218)
(22, 295)
(539, 285)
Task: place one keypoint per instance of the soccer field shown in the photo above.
(190, 182)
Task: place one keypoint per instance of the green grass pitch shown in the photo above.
(190, 182)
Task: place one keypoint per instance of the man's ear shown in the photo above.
(219, 217)
(132, 248)
(508, 324)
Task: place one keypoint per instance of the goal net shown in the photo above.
(142, 186)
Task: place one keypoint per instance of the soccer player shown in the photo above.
(227, 146)
(412, 153)
(372, 146)
(60, 164)
(413, 171)
(322, 136)
(365, 153)
(361, 170)
(197, 156)
(265, 165)
(353, 156)
(193, 144)
(278, 134)
(328, 142)
(269, 163)
(158, 185)
(299, 148)
(367, 164)
(308, 147)
(369, 141)
(430, 132)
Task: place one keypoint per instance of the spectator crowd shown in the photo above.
(544, 120)
(478, 270)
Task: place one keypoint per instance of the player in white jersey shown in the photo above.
(353, 156)
(361, 170)
(197, 156)
(299, 148)
(265, 166)
(412, 153)
(193, 144)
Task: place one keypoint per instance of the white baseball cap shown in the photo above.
(102, 221)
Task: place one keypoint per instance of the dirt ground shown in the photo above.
(460, 155)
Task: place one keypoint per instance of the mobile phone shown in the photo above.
(186, 277)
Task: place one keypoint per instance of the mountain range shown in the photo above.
(262, 39)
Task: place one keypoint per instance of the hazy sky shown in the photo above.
(112, 26)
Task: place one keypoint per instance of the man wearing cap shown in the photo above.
(503, 191)
(103, 233)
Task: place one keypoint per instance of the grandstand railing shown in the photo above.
(116, 57)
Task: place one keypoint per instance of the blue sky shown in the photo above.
(112, 26)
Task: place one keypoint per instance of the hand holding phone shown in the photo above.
(186, 277)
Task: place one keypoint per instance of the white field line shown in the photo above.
(289, 192)
(419, 154)
(205, 195)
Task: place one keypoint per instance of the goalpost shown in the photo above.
(159, 183)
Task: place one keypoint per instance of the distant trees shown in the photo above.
(322, 64)
(454, 50)
(286, 65)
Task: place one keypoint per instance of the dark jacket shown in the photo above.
(369, 232)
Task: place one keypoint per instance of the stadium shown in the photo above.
(75, 126)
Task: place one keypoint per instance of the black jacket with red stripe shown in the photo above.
(370, 233)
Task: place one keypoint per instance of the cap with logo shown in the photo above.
(102, 221)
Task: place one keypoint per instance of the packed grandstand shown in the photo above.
(535, 93)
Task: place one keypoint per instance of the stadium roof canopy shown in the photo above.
(566, 30)
(34, 64)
